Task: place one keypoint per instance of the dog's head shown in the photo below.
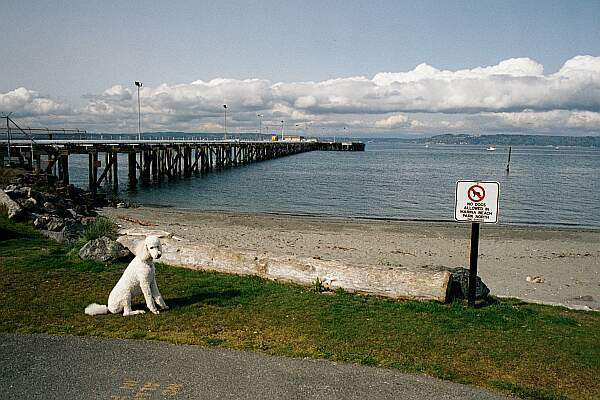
(150, 249)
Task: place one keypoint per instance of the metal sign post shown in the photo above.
(473, 263)
(476, 202)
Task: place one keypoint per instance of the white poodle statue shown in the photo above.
(138, 278)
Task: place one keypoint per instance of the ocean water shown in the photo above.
(546, 186)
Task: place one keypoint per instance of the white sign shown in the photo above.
(477, 201)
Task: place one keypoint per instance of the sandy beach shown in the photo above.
(567, 259)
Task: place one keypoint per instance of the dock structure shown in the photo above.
(148, 160)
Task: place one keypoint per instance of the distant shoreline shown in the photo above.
(513, 140)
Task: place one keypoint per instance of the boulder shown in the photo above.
(39, 197)
(54, 224)
(72, 231)
(17, 192)
(103, 249)
(30, 204)
(41, 222)
(49, 206)
(14, 210)
(460, 284)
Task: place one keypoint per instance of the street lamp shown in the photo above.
(225, 108)
(139, 85)
(260, 117)
(281, 130)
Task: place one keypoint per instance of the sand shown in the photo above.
(567, 259)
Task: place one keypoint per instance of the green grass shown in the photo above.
(531, 351)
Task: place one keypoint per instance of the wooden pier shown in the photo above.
(148, 160)
(151, 160)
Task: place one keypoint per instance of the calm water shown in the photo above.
(395, 180)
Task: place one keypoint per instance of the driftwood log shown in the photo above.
(393, 282)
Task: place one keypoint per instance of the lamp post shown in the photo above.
(282, 130)
(225, 108)
(260, 117)
(139, 85)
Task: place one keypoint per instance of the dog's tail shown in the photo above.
(96, 309)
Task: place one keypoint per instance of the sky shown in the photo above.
(323, 67)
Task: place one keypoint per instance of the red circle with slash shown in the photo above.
(476, 193)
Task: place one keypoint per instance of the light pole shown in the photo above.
(282, 130)
(139, 85)
(260, 117)
(225, 108)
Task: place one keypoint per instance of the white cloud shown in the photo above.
(26, 103)
(547, 120)
(515, 93)
(392, 122)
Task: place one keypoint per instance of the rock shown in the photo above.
(54, 224)
(72, 231)
(49, 206)
(17, 192)
(62, 213)
(79, 209)
(30, 204)
(41, 222)
(460, 284)
(103, 249)
(37, 196)
(534, 279)
(14, 210)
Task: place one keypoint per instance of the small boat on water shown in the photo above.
(491, 148)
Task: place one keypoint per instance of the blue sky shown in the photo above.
(76, 61)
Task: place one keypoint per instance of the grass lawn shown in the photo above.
(531, 351)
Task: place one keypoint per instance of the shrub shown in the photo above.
(101, 227)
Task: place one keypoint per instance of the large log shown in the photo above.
(393, 282)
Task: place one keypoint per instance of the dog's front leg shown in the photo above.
(127, 311)
(147, 291)
(157, 297)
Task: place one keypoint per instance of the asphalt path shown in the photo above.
(66, 367)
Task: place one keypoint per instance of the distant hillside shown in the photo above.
(515, 140)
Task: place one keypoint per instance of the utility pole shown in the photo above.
(139, 85)
(8, 134)
(225, 107)
(260, 116)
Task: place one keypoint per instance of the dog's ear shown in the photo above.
(142, 251)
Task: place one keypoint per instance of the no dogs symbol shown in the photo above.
(476, 193)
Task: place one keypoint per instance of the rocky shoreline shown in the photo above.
(61, 212)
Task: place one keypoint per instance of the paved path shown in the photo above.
(63, 367)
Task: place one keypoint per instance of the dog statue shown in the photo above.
(139, 277)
